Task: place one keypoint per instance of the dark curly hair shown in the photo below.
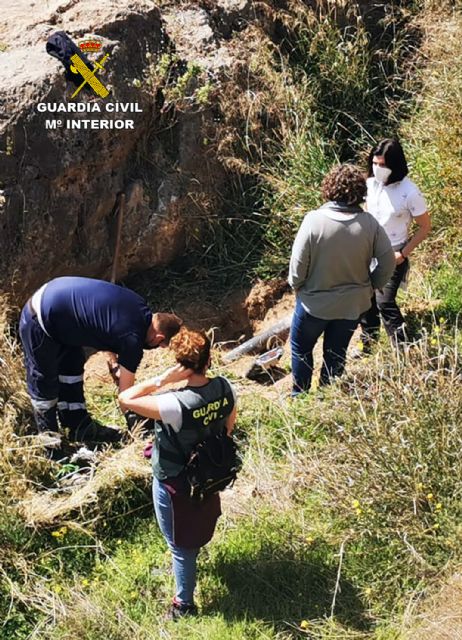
(344, 183)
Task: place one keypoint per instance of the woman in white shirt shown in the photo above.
(395, 202)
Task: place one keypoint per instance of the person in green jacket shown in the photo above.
(204, 405)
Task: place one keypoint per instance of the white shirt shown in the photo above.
(170, 408)
(394, 206)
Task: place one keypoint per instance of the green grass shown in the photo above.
(356, 495)
(258, 579)
(348, 508)
(447, 287)
(432, 134)
(344, 86)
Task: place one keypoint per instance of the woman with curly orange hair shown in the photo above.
(204, 405)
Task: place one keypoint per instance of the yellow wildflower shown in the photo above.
(355, 504)
(57, 588)
(56, 534)
(133, 595)
(429, 496)
(309, 539)
(438, 506)
(304, 624)
(420, 485)
(436, 526)
(85, 582)
(367, 591)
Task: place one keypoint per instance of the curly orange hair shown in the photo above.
(191, 349)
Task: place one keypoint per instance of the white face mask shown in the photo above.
(381, 174)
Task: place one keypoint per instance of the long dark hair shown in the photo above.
(393, 153)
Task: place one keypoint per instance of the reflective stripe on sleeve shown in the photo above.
(36, 303)
(70, 379)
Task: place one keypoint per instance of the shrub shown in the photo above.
(392, 469)
(433, 132)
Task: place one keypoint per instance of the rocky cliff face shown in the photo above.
(59, 186)
(204, 75)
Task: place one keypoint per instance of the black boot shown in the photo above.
(54, 448)
(144, 426)
(91, 431)
(181, 609)
(46, 420)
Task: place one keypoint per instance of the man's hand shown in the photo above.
(399, 258)
(113, 367)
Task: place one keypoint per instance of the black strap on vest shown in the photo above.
(173, 439)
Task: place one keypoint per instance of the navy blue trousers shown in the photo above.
(304, 333)
(54, 376)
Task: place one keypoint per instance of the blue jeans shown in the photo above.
(304, 333)
(184, 560)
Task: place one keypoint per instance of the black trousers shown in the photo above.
(383, 306)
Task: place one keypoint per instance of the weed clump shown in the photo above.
(392, 471)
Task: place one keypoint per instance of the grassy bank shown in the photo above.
(347, 512)
(345, 521)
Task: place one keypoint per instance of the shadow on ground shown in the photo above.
(285, 586)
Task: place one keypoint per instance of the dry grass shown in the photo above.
(441, 618)
(117, 471)
(85, 616)
(433, 133)
(25, 472)
(18, 461)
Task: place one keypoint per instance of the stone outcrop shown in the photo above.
(59, 186)
(194, 69)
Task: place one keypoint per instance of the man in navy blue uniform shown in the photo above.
(67, 314)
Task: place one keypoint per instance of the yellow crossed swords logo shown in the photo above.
(79, 66)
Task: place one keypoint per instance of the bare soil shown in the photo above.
(241, 315)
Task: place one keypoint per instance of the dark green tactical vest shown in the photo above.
(204, 410)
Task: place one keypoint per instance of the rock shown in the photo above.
(233, 15)
(59, 186)
(190, 29)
